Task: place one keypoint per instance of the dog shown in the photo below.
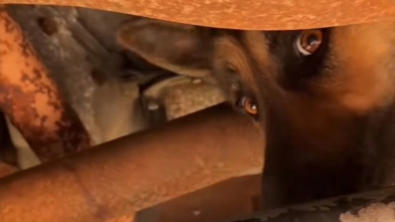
(324, 97)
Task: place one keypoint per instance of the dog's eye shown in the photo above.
(248, 105)
(309, 41)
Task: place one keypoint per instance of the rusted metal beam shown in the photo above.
(372, 206)
(32, 101)
(243, 14)
(115, 180)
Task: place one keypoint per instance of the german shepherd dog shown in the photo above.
(324, 97)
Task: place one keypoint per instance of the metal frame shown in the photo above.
(117, 179)
(243, 14)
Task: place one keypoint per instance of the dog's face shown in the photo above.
(309, 89)
(344, 67)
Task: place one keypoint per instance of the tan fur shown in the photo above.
(230, 55)
(362, 56)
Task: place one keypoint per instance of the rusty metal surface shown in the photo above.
(182, 95)
(372, 206)
(233, 198)
(85, 62)
(191, 96)
(115, 180)
(31, 99)
(243, 14)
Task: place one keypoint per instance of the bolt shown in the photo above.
(48, 25)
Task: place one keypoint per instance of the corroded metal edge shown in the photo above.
(369, 206)
(243, 14)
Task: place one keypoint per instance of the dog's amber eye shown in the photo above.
(309, 41)
(249, 106)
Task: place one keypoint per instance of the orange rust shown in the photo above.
(115, 180)
(32, 100)
(122, 219)
(243, 14)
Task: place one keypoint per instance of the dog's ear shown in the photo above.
(183, 49)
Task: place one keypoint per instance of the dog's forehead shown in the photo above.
(236, 54)
(244, 58)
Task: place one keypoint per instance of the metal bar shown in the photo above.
(113, 181)
(243, 14)
(373, 206)
(32, 101)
